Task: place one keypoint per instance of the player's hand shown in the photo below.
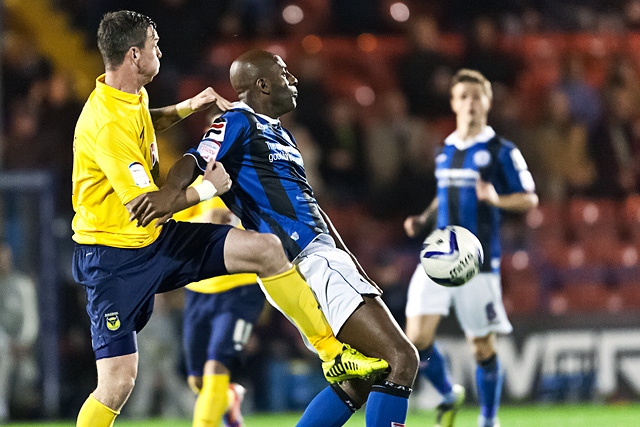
(487, 193)
(218, 176)
(413, 225)
(153, 205)
(207, 98)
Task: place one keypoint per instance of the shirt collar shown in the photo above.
(242, 106)
(462, 144)
(102, 87)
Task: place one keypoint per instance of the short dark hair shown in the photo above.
(118, 32)
(466, 75)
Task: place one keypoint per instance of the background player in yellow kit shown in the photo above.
(219, 315)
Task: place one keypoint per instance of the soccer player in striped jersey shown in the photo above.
(123, 264)
(270, 193)
(478, 175)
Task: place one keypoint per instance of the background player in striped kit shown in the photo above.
(478, 174)
(271, 193)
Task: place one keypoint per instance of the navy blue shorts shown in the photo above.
(121, 283)
(217, 326)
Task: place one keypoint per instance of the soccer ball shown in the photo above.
(451, 256)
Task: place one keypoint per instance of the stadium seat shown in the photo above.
(631, 218)
(625, 273)
(546, 223)
(586, 297)
(625, 256)
(629, 296)
(590, 217)
(521, 284)
(632, 48)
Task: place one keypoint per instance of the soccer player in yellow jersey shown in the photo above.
(123, 265)
(219, 315)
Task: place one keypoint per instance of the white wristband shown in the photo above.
(206, 190)
(184, 108)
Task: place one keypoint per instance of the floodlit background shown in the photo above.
(373, 107)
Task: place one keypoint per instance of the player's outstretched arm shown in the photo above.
(165, 117)
(175, 195)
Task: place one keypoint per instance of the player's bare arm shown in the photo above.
(175, 195)
(515, 202)
(165, 117)
(416, 224)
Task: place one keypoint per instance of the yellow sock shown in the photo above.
(94, 414)
(212, 401)
(293, 296)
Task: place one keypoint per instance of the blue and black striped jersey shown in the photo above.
(458, 166)
(270, 192)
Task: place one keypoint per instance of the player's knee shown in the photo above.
(483, 353)
(404, 363)
(117, 387)
(126, 384)
(271, 245)
(411, 358)
(195, 383)
(483, 347)
(420, 340)
(270, 254)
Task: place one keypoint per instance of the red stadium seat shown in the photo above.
(631, 218)
(521, 287)
(546, 224)
(590, 217)
(586, 297)
(630, 297)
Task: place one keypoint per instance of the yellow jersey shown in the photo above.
(220, 283)
(115, 160)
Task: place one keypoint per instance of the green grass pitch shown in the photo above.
(621, 415)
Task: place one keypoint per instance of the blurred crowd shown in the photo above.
(369, 152)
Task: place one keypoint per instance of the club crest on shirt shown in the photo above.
(482, 158)
(139, 175)
(113, 321)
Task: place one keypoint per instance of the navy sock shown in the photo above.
(489, 379)
(330, 408)
(387, 405)
(433, 367)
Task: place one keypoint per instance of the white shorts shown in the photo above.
(478, 303)
(334, 279)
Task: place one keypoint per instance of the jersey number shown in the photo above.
(241, 334)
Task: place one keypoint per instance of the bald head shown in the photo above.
(261, 80)
(249, 67)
